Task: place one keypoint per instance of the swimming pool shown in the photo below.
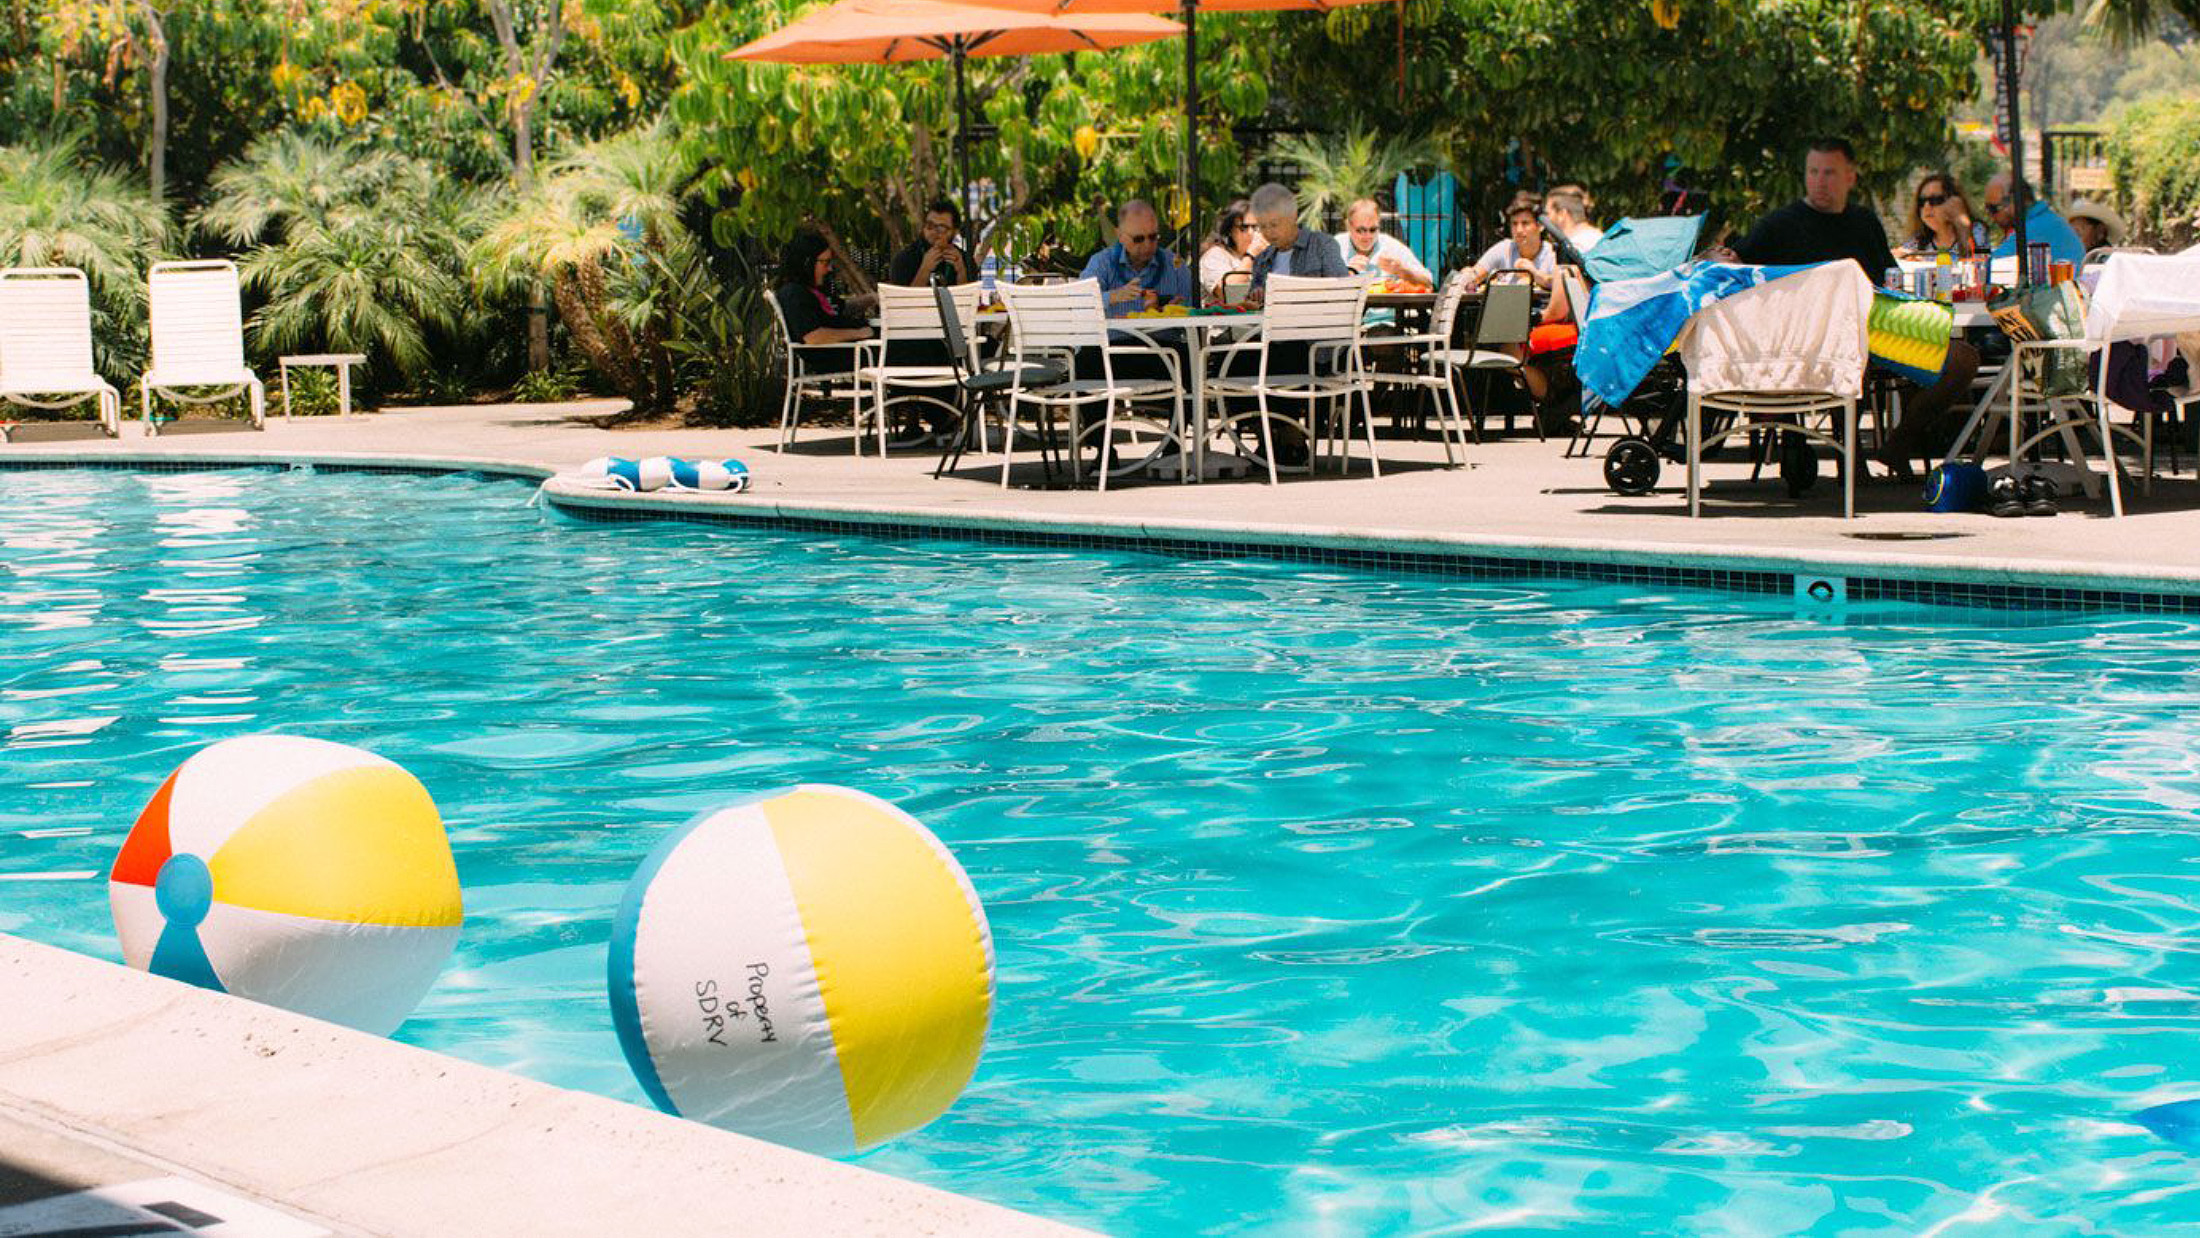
(1325, 901)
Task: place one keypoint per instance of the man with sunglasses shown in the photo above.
(1368, 249)
(1136, 273)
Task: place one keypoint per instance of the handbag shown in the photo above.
(2047, 312)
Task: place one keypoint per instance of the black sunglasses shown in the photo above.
(1932, 199)
(1142, 238)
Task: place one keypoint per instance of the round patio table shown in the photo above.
(1197, 331)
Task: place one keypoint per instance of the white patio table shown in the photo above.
(1198, 332)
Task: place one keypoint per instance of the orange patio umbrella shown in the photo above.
(894, 31)
(1188, 10)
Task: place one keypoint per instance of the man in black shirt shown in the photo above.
(934, 258)
(1823, 226)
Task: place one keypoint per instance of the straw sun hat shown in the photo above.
(2087, 208)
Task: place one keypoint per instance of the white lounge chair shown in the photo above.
(46, 345)
(198, 338)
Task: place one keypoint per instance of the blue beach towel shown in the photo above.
(1631, 322)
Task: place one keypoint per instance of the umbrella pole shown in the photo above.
(962, 156)
(1191, 141)
(2017, 190)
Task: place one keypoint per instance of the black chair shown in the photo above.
(980, 384)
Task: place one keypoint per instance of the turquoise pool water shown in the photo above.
(1326, 902)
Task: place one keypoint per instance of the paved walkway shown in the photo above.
(1517, 489)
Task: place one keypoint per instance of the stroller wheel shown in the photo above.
(1798, 465)
(1631, 466)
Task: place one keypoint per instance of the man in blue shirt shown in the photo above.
(1292, 250)
(2041, 223)
(1136, 273)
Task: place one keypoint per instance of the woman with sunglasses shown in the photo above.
(1230, 250)
(1940, 221)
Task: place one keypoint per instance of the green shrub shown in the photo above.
(550, 386)
(313, 393)
(2154, 156)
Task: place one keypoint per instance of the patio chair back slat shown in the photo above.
(1056, 316)
(197, 319)
(911, 313)
(1506, 309)
(46, 331)
(1309, 309)
(1448, 300)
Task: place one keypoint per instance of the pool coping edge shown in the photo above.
(243, 1096)
(2008, 583)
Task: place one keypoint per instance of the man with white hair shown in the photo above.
(1292, 250)
(1368, 249)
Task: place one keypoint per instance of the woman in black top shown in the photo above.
(812, 316)
(815, 317)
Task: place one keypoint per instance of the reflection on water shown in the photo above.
(1325, 902)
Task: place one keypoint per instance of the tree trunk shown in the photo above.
(156, 75)
(535, 70)
(523, 178)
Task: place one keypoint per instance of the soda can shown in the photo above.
(2037, 255)
(1891, 280)
(2061, 272)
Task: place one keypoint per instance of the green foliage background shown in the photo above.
(357, 156)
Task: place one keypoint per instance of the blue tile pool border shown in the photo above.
(1631, 566)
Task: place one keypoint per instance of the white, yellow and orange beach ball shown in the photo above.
(300, 873)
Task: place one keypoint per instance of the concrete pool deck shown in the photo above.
(1515, 495)
(109, 1076)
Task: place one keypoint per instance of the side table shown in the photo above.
(341, 362)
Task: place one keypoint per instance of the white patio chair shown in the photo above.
(46, 345)
(1325, 316)
(1439, 369)
(908, 314)
(1508, 311)
(197, 316)
(2140, 296)
(1774, 358)
(1056, 322)
(814, 371)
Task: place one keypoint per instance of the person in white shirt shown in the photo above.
(1523, 253)
(1368, 248)
(1570, 215)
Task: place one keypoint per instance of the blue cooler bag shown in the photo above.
(1958, 487)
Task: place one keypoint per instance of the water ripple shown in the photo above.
(1325, 902)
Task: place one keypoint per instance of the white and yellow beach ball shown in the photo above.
(296, 872)
(808, 966)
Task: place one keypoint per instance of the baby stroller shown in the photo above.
(1635, 249)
